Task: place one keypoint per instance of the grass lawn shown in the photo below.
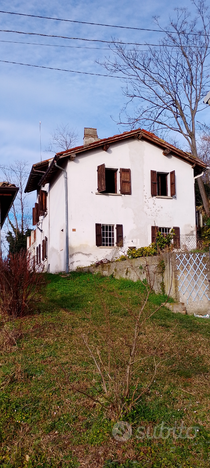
(47, 372)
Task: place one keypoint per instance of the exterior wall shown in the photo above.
(136, 212)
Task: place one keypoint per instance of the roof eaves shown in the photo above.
(7, 189)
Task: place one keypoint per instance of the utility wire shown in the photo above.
(62, 69)
(103, 41)
(54, 45)
(81, 22)
(95, 24)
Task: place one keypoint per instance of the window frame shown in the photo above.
(117, 238)
(176, 238)
(124, 182)
(156, 184)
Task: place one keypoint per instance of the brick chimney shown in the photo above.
(90, 135)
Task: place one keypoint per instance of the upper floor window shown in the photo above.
(40, 208)
(163, 184)
(107, 180)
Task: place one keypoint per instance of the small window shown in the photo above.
(106, 237)
(161, 185)
(111, 180)
(107, 234)
(164, 230)
(107, 179)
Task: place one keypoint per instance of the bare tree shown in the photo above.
(169, 81)
(62, 139)
(18, 218)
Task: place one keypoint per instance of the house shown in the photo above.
(8, 193)
(96, 200)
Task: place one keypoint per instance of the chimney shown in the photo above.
(90, 135)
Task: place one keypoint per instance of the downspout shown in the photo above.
(66, 214)
(199, 175)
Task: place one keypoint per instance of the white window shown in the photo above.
(107, 233)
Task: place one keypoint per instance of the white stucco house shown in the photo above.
(96, 200)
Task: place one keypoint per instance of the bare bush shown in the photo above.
(19, 285)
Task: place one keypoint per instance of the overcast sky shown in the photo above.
(31, 95)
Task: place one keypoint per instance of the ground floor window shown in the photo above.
(108, 235)
(164, 230)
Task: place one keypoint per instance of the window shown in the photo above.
(44, 248)
(40, 208)
(160, 183)
(105, 235)
(38, 254)
(107, 180)
(165, 231)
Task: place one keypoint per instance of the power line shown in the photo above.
(54, 45)
(103, 41)
(81, 22)
(133, 28)
(62, 69)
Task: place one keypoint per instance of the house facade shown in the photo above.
(97, 200)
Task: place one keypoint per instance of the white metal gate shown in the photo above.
(192, 275)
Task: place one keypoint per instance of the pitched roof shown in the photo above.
(104, 144)
(8, 193)
(37, 172)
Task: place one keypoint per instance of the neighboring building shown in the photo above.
(8, 193)
(119, 192)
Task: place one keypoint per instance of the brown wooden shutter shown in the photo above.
(154, 233)
(98, 235)
(153, 183)
(119, 228)
(35, 235)
(101, 178)
(36, 213)
(173, 184)
(41, 203)
(34, 216)
(125, 181)
(177, 237)
(37, 255)
(44, 201)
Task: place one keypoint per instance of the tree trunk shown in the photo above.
(203, 196)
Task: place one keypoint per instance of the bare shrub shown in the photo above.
(19, 284)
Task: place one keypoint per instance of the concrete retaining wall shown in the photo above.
(162, 273)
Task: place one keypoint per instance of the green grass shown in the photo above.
(45, 422)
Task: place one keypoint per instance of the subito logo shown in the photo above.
(122, 431)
